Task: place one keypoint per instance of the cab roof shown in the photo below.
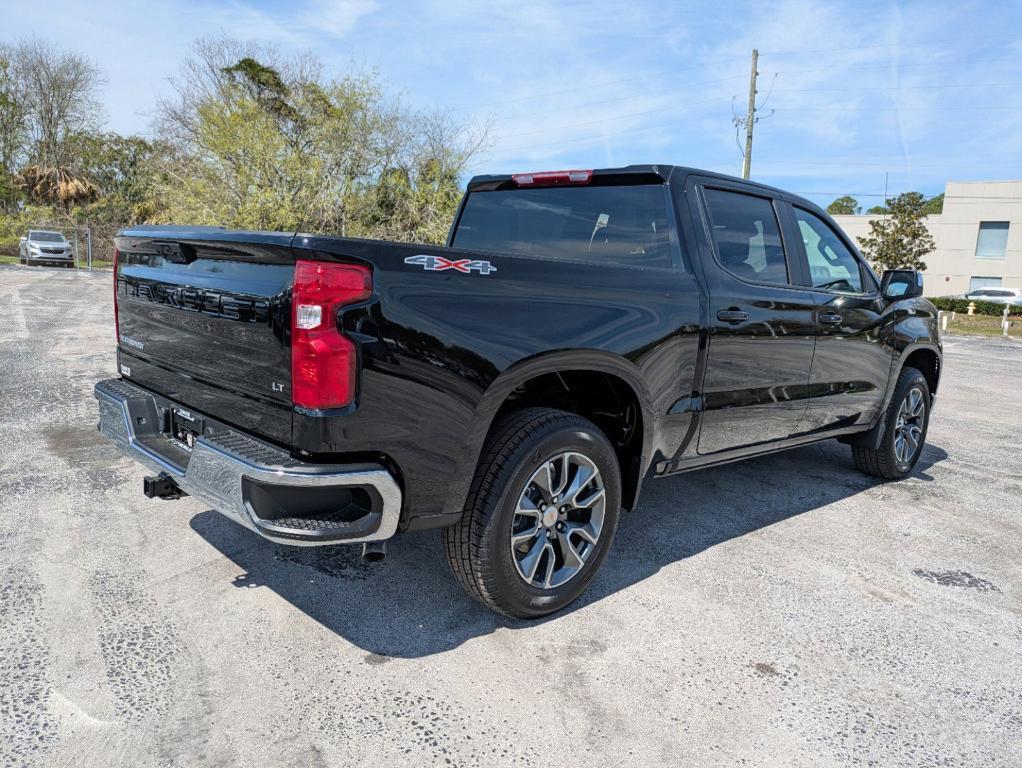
(654, 173)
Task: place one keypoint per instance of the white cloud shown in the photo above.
(335, 17)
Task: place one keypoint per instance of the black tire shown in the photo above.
(479, 549)
(884, 461)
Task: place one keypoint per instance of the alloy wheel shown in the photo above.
(558, 520)
(908, 429)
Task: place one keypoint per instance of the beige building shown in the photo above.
(978, 236)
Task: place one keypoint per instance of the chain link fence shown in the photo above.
(92, 247)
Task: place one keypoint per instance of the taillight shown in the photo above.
(323, 360)
(117, 319)
(552, 178)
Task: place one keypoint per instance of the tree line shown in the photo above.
(246, 137)
(849, 206)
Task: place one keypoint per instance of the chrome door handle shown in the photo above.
(732, 315)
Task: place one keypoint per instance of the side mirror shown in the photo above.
(901, 284)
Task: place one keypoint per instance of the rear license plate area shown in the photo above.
(184, 427)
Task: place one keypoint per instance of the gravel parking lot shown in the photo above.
(781, 611)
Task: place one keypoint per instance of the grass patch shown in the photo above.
(97, 264)
(983, 325)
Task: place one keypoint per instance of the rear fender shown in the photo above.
(510, 379)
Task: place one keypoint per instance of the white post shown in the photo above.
(1004, 321)
(943, 321)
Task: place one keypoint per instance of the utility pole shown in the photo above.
(750, 117)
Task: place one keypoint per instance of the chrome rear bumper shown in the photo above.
(252, 482)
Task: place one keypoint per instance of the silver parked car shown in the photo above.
(995, 295)
(45, 247)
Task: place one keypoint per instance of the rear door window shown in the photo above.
(747, 236)
(629, 225)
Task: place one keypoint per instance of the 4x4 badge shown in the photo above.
(439, 264)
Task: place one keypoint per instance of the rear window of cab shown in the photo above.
(626, 225)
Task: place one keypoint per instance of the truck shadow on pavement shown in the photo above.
(410, 605)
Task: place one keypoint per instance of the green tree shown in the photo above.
(257, 140)
(844, 206)
(901, 239)
(934, 205)
(124, 172)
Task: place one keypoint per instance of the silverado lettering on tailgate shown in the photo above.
(213, 303)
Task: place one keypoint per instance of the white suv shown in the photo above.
(45, 247)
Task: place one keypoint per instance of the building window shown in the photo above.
(993, 240)
(976, 283)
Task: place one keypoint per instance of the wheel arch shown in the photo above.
(924, 357)
(606, 388)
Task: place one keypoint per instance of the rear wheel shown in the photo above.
(541, 515)
(905, 424)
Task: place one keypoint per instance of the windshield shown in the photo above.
(47, 237)
(622, 224)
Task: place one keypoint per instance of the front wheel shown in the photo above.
(905, 424)
(541, 514)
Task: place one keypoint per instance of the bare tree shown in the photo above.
(13, 117)
(61, 94)
(205, 78)
(13, 126)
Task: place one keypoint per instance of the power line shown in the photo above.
(598, 102)
(882, 163)
(957, 39)
(508, 132)
(897, 109)
(574, 89)
(898, 87)
(672, 72)
(590, 139)
(688, 86)
(887, 65)
(947, 198)
(603, 120)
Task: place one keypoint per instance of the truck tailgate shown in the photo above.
(203, 318)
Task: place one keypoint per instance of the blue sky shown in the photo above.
(925, 91)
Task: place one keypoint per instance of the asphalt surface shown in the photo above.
(782, 611)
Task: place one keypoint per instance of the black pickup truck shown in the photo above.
(580, 331)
